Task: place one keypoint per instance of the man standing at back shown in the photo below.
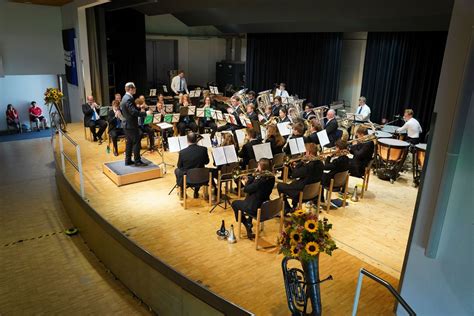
(178, 84)
(132, 135)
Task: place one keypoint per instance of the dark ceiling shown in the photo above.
(256, 16)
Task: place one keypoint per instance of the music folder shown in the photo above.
(177, 144)
(156, 118)
(262, 151)
(224, 155)
(354, 117)
(169, 108)
(172, 118)
(205, 140)
(164, 125)
(240, 133)
(297, 145)
(200, 112)
(323, 138)
(104, 110)
(284, 128)
(148, 119)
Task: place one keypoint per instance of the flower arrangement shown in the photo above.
(304, 236)
(53, 95)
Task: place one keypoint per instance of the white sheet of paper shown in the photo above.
(263, 132)
(152, 92)
(169, 108)
(191, 110)
(354, 117)
(293, 146)
(284, 128)
(165, 89)
(164, 125)
(230, 154)
(200, 112)
(205, 141)
(262, 151)
(183, 142)
(156, 118)
(173, 143)
(219, 156)
(240, 136)
(175, 118)
(323, 138)
(219, 115)
(300, 144)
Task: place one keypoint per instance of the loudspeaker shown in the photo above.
(230, 73)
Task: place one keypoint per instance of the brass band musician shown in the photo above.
(362, 154)
(337, 163)
(185, 121)
(207, 121)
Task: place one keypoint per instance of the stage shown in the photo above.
(371, 233)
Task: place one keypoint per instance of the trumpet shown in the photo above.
(236, 174)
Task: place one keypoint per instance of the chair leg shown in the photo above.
(363, 186)
(239, 224)
(257, 231)
(184, 191)
(239, 187)
(345, 191)
(367, 180)
(282, 216)
(328, 199)
(209, 189)
(319, 199)
(285, 174)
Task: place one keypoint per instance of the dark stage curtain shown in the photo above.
(309, 64)
(126, 49)
(401, 71)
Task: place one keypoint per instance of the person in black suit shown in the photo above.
(258, 190)
(335, 164)
(251, 114)
(132, 133)
(252, 97)
(115, 120)
(193, 156)
(362, 154)
(235, 111)
(303, 173)
(283, 116)
(331, 127)
(314, 128)
(276, 106)
(92, 118)
(308, 111)
(185, 121)
(246, 153)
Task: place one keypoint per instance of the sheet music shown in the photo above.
(300, 144)
(230, 154)
(284, 100)
(262, 151)
(200, 112)
(263, 132)
(240, 136)
(165, 89)
(205, 141)
(284, 128)
(169, 108)
(164, 125)
(156, 118)
(175, 118)
(173, 144)
(219, 115)
(191, 109)
(152, 92)
(219, 156)
(296, 145)
(354, 117)
(323, 138)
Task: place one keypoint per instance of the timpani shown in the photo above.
(391, 154)
(418, 162)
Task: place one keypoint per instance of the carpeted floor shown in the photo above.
(25, 135)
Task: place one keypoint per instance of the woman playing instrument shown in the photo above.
(146, 128)
(207, 121)
(275, 139)
(283, 116)
(160, 109)
(314, 128)
(185, 121)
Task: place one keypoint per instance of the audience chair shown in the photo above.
(37, 122)
(338, 182)
(269, 209)
(310, 193)
(196, 178)
(225, 176)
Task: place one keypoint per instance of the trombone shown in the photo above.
(236, 174)
(333, 152)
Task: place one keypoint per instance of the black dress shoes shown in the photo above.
(129, 163)
(248, 227)
(196, 194)
(140, 163)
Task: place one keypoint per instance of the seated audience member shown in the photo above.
(302, 173)
(115, 119)
(275, 139)
(258, 190)
(36, 115)
(297, 130)
(185, 121)
(335, 164)
(362, 154)
(193, 156)
(12, 117)
(246, 153)
(117, 97)
(92, 119)
(412, 126)
(207, 122)
(331, 127)
(314, 128)
(145, 128)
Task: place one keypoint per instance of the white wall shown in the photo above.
(20, 91)
(197, 56)
(352, 67)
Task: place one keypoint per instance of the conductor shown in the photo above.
(132, 135)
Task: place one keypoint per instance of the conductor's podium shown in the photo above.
(121, 174)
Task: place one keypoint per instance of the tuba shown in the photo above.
(263, 100)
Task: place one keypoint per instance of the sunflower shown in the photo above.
(295, 236)
(299, 213)
(294, 251)
(312, 248)
(311, 225)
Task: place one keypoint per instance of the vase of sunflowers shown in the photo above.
(303, 238)
(53, 99)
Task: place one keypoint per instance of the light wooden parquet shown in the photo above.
(371, 233)
(46, 273)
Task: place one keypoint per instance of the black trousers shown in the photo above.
(209, 124)
(146, 129)
(289, 190)
(114, 135)
(133, 138)
(183, 125)
(242, 206)
(179, 173)
(101, 124)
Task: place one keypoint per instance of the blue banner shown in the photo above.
(70, 56)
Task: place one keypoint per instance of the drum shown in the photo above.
(391, 154)
(393, 130)
(420, 154)
(380, 134)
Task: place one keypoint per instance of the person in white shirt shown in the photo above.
(412, 126)
(178, 84)
(281, 91)
(363, 109)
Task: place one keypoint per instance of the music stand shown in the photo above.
(223, 156)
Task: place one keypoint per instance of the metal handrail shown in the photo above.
(387, 285)
(77, 166)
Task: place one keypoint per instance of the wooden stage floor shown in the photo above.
(371, 234)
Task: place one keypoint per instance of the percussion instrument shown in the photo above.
(391, 154)
(418, 162)
(393, 130)
(380, 134)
